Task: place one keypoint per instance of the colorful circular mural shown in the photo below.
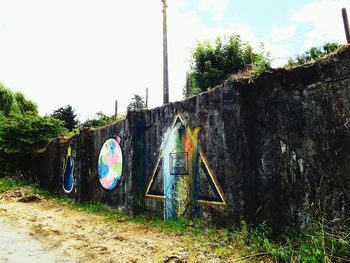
(110, 164)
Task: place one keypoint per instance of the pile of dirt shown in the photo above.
(20, 195)
(30, 199)
(11, 195)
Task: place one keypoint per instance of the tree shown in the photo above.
(101, 120)
(25, 105)
(21, 137)
(6, 100)
(22, 132)
(27, 133)
(11, 102)
(68, 116)
(137, 103)
(15, 102)
(212, 63)
(313, 54)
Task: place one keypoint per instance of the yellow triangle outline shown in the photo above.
(207, 166)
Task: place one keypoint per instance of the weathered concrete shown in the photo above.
(277, 149)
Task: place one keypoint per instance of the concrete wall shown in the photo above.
(276, 150)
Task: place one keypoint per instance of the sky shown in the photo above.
(89, 53)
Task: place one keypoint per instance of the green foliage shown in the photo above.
(11, 184)
(137, 103)
(68, 116)
(260, 64)
(101, 120)
(212, 63)
(24, 134)
(14, 109)
(313, 54)
(6, 100)
(317, 243)
(311, 254)
(25, 105)
(325, 243)
(11, 102)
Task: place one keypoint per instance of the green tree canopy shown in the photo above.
(27, 133)
(67, 115)
(14, 102)
(313, 54)
(25, 105)
(6, 100)
(212, 63)
(137, 103)
(101, 120)
(22, 132)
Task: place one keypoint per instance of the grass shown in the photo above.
(320, 242)
(11, 184)
(174, 226)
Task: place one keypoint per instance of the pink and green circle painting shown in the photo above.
(110, 164)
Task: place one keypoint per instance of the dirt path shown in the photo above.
(76, 236)
(16, 245)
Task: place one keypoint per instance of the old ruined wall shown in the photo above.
(277, 149)
(85, 149)
(301, 123)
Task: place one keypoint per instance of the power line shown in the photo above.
(296, 36)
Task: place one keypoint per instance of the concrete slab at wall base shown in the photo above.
(276, 150)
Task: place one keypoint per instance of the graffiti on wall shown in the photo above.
(110, 163)
(68, 172)
(182, 176)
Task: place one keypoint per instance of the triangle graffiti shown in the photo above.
(155, 188)
(182, 177)
(210, 191)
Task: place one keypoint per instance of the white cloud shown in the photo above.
(216, 7)
(282, 33)
(279, 43)
(182, 3)
(324, 16)
(318, 22)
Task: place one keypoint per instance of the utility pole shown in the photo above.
(146, 104)
(116, 110)
(188, 85)
(346, 24)
(165, 57)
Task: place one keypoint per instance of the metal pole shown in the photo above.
(165, 57)
(346, 25)
(146, 98)
(116, 110)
